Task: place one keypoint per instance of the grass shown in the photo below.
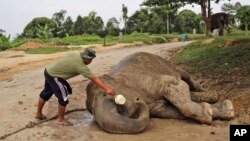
(215, 58)
(94, 39)
(47, 50)
(237, 32)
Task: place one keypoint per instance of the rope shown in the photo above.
(32, 124)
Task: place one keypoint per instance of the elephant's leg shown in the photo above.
(193, 85)
(198, 94)
(165, 109)
(223, 110)
(179, 95)
(221, 26)
(209, 97)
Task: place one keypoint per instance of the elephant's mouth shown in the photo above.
(120, 118)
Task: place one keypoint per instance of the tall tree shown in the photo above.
(167, 9)
(92, 23)
(186, 21)
(156, 24)
(231, 9)
(205, 8)
(243, 14)
(228, 8)
(112, 26)
(68, 26)
(144, 19)
(139, 21)
(125, 16)
(78, 27)
(59, 18)
(30, 30)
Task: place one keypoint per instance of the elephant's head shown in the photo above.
(132, 117)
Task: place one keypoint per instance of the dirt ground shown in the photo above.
(21, 80)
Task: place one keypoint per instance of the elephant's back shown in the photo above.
(144, 62)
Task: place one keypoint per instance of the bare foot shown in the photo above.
(65, 123)
(41, 117)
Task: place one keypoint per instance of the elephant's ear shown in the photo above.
(109, 117)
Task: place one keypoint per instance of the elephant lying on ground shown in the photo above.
(153, 88)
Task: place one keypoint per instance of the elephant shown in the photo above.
(219, 20)
(152, 88)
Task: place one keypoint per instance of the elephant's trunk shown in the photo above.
(109, 119)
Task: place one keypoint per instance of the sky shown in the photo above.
(16, 14)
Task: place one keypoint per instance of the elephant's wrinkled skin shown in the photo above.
(153, 88)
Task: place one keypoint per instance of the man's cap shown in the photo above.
(88, 53)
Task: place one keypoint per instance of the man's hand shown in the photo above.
(110, 92)
(102, 85)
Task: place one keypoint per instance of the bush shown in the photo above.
(158, 40)
(4, 43)
(45, 50)
(82, 39)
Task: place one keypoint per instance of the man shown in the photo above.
(56, 74)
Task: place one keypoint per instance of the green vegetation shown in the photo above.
(46, 50)
(79, 40)
(87, 39)
(237, 32)
(220, 56)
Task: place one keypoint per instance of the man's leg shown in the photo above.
(45, 95)
(61, 93)
(40, 105)
(61, 112)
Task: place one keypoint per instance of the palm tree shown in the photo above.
(44, 31)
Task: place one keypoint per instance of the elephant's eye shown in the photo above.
(137, 99)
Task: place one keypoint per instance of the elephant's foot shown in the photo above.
(206, 115)
(223, 110)
(198, 87)
(210, 97)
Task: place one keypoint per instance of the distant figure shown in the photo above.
(183, 37)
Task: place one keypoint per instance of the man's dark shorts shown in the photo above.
(58, 86)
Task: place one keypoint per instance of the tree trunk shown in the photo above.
(168, 23)
(104, 41)
(206, 15)
(246, 28)
(125, 27)
(141, 30)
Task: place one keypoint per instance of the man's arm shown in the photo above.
(102, 85)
